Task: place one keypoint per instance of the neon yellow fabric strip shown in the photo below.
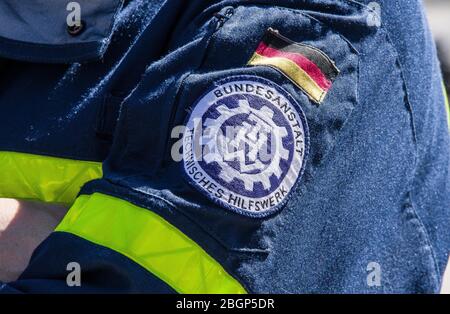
(447, 106)
(47, 179)
(150, 241)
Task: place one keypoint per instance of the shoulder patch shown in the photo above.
(245, 145)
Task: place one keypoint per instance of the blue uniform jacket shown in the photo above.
(354, 199)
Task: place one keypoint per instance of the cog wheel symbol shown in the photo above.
(218, 144)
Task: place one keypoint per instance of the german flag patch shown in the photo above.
(306, 66)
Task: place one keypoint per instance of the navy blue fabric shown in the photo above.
(356, 203)
(65, 110)
(376, 186)
(36, 30)
(417, 54)
(102, 270)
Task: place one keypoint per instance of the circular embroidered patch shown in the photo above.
(245, 144)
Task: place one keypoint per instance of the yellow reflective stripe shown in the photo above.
(447, 106)
(150, 241)
(43, 178)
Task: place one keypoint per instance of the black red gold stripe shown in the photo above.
(308, 67)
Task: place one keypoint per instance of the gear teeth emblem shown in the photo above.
(261, 122)
(252, 148)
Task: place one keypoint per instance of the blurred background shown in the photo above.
(439, 17)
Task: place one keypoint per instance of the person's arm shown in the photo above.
(157, 224)
(146, 226)
(23, 226)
